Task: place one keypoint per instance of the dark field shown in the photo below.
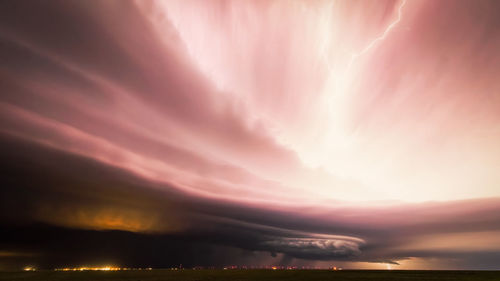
(235, 275)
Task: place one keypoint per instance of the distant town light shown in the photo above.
(104, 268)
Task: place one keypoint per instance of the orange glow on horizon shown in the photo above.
(103, 268)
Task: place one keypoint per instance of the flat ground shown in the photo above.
(243, 275)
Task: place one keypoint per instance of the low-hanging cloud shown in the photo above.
(315, 248)
(233, 130)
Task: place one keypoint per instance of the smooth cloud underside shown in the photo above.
(251, 132)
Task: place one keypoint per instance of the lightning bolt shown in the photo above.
(340, 82)
(381, 37)
(336, 100)
(372, 44)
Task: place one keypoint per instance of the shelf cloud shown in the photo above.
(360, 133)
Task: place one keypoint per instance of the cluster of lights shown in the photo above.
(274, 267)
(106, 268)
(110, 268)
(29, 268)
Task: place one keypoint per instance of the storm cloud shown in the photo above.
(164, 133)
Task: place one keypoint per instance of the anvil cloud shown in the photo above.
(360, 133)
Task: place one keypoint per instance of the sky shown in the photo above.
(360, 133)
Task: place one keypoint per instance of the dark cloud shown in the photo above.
(84, 212)
(83, 194)
(314, 248)
(84, 94)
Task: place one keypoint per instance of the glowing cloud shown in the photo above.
(337, 119)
